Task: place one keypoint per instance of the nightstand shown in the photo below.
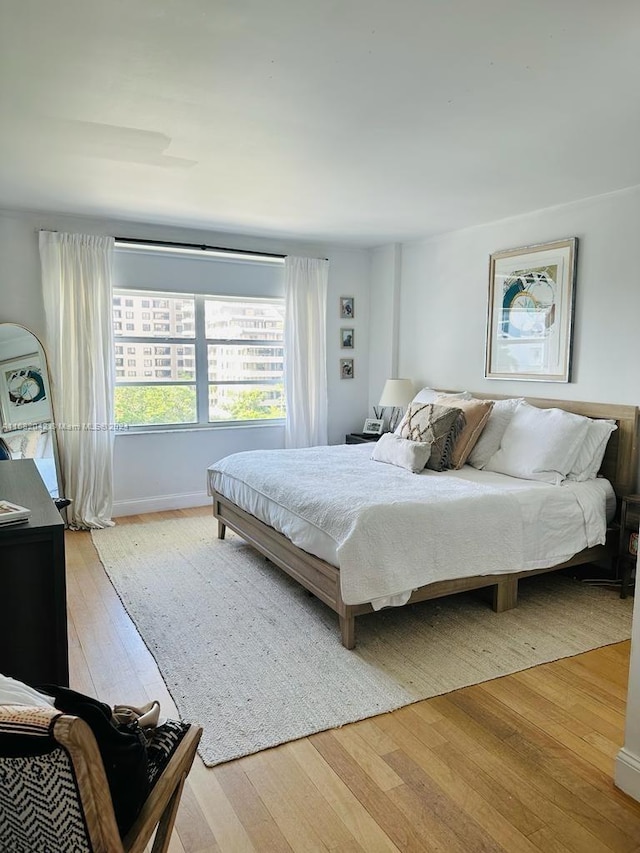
(629, 523)
(360, 438)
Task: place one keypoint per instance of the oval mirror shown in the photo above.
(26, 415)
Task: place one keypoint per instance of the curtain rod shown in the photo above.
(201, 246)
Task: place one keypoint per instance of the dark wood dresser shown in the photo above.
(33, 600)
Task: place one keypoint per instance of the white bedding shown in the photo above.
(390, 531)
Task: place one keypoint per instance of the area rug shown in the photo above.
(257, 661)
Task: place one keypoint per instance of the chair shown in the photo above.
(54, 793)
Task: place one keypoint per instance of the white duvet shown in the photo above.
(391, 531)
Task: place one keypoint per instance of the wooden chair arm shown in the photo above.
(76, 737)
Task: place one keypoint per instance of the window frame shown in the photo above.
(200, 342)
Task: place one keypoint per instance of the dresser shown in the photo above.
(33, 600)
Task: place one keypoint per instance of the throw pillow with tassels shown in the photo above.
(438, 425)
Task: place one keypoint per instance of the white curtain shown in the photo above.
(305, 351)
(76, 284)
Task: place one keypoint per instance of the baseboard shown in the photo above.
(160, 503)
(627, 773)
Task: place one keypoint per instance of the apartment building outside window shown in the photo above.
(216, 359)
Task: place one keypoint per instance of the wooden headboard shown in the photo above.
(620, 463)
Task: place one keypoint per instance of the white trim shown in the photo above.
(262, 423)
(627, 773)
(160, 503)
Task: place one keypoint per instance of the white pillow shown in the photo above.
(429, 395)
(491, 435)
(13, 692)
(425, 395)
(539, 444)
(591, 453)
(412, 455)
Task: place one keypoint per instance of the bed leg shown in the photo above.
(505, 595)
(222, 529)
(348, 631)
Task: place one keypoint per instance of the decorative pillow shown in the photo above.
(591, 453)
(412, 455)
(476, 414)
(539, 444)
(489, 441)
(437, 425)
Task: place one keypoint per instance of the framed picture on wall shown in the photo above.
(346, 338)
(347, 308)
(530, 312)
(23, 392)
(346, 368)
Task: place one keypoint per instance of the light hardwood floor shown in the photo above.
(522, 763)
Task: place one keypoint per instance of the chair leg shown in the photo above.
(165, 826)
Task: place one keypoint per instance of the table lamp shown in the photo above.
(395, 395)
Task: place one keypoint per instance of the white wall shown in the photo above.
(385, 316)
(167, 469)
(443, 301)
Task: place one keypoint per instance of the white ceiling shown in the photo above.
(356, 121)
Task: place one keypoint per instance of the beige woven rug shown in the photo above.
(257, 661)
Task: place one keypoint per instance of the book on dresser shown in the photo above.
(11, 513)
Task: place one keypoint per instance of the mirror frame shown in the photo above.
(42, 353)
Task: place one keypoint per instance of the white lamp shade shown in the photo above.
(397, 393)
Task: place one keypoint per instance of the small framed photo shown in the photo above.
(346, 338)
(372, 426)
(347, 311)
(346, 368)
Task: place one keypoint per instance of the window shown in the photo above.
(230, 370)
(241, 386)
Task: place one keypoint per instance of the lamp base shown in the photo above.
(394, 418)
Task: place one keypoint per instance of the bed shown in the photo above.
(361, 535)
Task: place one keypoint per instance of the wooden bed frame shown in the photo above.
(323, 580)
